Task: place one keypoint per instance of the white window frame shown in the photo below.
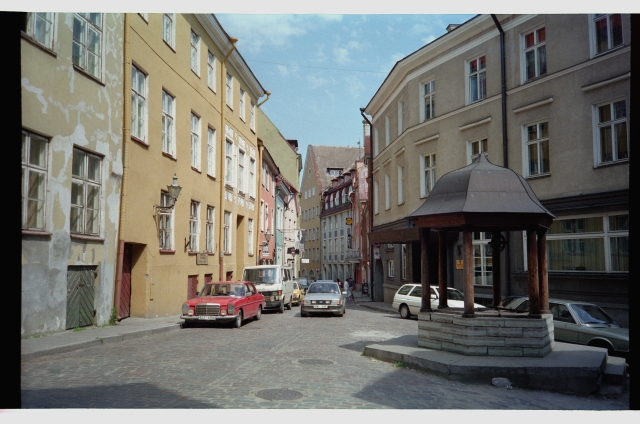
(252, 177)
(34, 202)
(400, 117)
(229, 167)
(241, 170)
(195, 50)
(195, 141)
(390, 269)
(211, 71)
(252, 117)
(537, 47)
(250, 244)
(387, 131)
(593, 18)
(227, 232)
(403, 259)
(482, 253)
(139, 104)
(481, 148)
(210, 243)
(168, 124)
(241, 111)
(613, 124)
(211, 151)
(387, 192)
(400, 185)
(81, 54)
(376, 147)
(229, 90)
(165, 223)
(169, 29)
(479, 73)
(427, 174)
(538, 144)
(376, 196)
(428, 96)
(194, 226)
(80, 204)
(41, 28)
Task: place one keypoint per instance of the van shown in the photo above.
(275, 282)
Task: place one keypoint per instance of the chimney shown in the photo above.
(451, 27)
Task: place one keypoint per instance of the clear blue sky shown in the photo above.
(321, 69)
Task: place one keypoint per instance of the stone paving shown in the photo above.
(215, 366)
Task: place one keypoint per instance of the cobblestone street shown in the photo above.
(282, 361)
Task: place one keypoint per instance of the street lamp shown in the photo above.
(174, 192)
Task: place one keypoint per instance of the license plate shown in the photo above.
(320, 306)
(207, 317)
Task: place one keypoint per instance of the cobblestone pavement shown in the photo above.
(262, 365)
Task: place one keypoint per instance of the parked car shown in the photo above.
(582, 323)
(408, 299)
(224, 301)
(298, 293)
(324, 296)
(304, 283)
(275, 282)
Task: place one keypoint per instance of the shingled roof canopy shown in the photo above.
(482, 196)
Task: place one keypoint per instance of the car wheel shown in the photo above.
(602, 344)
(187, 324)
(404, 312)
(303, 314)
(238, 322)
(281, 310)
(259, 314)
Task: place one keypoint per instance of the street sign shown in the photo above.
(202, 259)
(305, 261)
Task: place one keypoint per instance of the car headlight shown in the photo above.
(185, 308)
(231, 308)
(336, 302)
(279, 292)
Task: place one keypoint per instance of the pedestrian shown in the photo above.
(347, 289)
(352, 285)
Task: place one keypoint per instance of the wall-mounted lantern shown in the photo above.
(174, 192)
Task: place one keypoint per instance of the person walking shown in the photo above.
(347, 289)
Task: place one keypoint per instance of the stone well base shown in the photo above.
(486, 335)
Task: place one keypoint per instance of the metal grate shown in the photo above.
(207, 309)
(279, 394)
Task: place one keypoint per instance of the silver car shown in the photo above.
(408, 299)
(582, 323)
(323, 297)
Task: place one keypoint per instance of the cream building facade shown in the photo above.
(560, 120)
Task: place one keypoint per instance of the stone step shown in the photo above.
(615, 372)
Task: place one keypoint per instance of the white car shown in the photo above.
(408, 299)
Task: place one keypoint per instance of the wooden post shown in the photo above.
(532, 263)
(542, 272)
(424, 278)
(495, 268)
(467, 241)
(442, 269)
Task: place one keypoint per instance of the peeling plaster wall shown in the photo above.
(71, 108)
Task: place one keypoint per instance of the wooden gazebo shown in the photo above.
(489, 198)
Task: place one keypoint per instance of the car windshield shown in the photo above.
(454, 294)
(592, 314)
(324, 288)
(261, 275)
(230, 289)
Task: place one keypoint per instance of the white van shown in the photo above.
(275, 282)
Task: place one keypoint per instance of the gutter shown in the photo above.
(370, 181)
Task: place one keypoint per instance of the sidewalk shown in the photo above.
(366, 302)
(70, 340)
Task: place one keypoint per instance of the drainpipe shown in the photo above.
(370, 181)
(223, 90)
(268, 93)
(505, 152)
(126, 136)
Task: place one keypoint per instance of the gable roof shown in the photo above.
(324, 157)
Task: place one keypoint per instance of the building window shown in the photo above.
(400, 185)
(376, 147)
(195, 141)
(210, 247)
(387, 192)
(87, 43)
(250, 244)
(535, 54)
(228, 163)
(138, 104)
(589, 243)
(429, 102)
(211, 152)
(606, 32)
(252, 112)
(241, 105)
(482, 259)
(168, 28)
(477, 147)
(428, 172)
(34, 180)
(241, 171)
(40, 27)
(227, 232)
(262, 229)
(387, 131)
(195, 58)
(229, 91)
(194, 226)
(168, 130)
(252, 178)
(403, 256)
(390, 270)
(400, 117)
(537, 149)
(612, 132)
(211, 71)
(376, 196)
(85, 193)
(477, 79)
(266, 218)
(165, 223)
(144, 16)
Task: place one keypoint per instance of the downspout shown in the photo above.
(258, 251)
(223, 90)
(370, 181)
(126, 136)
(505, 152)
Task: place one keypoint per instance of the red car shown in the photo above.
(225, 301)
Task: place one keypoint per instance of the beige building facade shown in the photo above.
(560, 121)
(191, 115)
(71, 80)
